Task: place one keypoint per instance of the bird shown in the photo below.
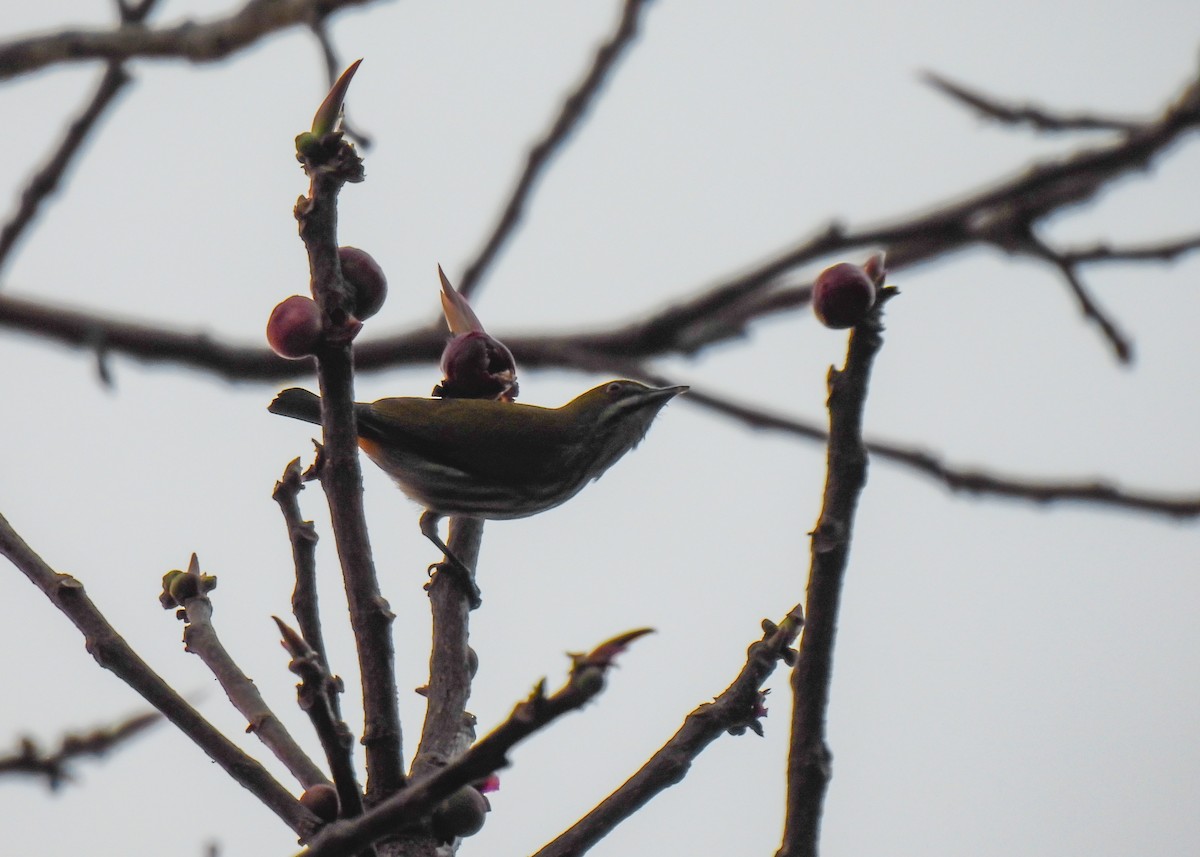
(491, 459)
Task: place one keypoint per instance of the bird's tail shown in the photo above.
(298, 404)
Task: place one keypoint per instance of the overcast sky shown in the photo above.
(1009, 679)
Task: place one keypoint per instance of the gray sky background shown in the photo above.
(1009, 679)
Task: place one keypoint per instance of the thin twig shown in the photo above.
(1159, 251)
(1039, 119)
(574, 109)
(1087, 304)
(303, 537)
(737, 708)
(112, 653)
(46, 181)
(846, 475)
(316, 694)
(200, 638)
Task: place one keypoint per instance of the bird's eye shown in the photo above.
(613, 388)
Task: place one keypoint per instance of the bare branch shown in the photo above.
(488, 755)
(54, 766)
(1087, 304)
(1040, 120)
(112, 653)
(736, 709)
(303, 538)
(330, 166)
(846, 476)
(45, 182)
(1001, 214)
(449, 728)
(200, 638)
(189, 41)
(317, 696)
(569, 118)
(1164, 251)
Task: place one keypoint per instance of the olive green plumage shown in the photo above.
(482, 458)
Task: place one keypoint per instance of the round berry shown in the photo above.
(476, 365)
(366, 278)
(321, 800)
(461, 814)
(294, 328)
(842, 295)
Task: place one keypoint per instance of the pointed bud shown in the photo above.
(842, 295)
(330, 111)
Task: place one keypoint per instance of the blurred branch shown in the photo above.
(736, 709)
(958, 479)
(112, 653)
(46, 180)
(1037, 248)
(569, 118)
(191, 41)
(583, 352)
(489, 754)
(1162, 251)
(846, 475)
(200, 638)
(1039, 119)
(1002, 215)
(54, 766)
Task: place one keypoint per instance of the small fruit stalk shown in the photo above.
(844, 293)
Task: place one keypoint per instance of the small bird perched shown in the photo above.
(482, 458)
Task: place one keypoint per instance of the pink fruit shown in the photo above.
(476, 365)
(842, 295)
(294, 328)
(366, 278)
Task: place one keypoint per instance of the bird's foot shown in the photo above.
(462, 576)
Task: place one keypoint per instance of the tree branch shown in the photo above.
(112, 653)
(736, 709)
(189, 41)
(846, 476)
(414, 804)
(200, 638)
(1039, 119)
(329, 167)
